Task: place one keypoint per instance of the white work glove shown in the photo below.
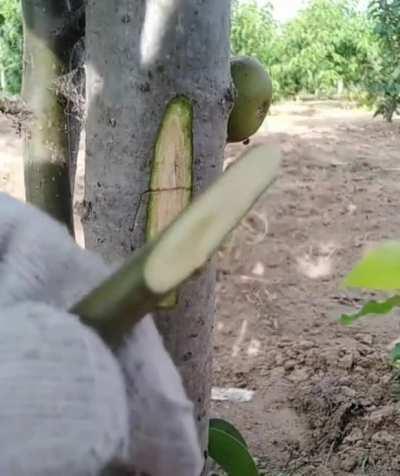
(43, 273)
(63, 405)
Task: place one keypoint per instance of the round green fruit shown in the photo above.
(253, 98)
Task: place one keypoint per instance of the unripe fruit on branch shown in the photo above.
(253, 98)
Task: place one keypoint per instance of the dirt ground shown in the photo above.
(325, 397)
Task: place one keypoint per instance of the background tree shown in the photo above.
(254, 31)
(327, 46)
(10, 46)
(310, 54)
(384, 83)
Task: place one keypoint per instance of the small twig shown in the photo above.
(329, 454)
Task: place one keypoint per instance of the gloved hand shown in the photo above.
(58, 382)
(63, 404)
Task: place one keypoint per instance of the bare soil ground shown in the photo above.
(323, 400)
(325, 396)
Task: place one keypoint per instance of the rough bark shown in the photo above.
(140, 57)
(50, 31)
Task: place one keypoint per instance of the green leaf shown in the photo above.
(379, 270)
(227, 427)
(230, 454)
(372, 307)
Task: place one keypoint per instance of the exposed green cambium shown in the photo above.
(172, 173)
(49, 35)
(180, 250)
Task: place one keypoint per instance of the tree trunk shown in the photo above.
(50, 31)
(158, 92)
